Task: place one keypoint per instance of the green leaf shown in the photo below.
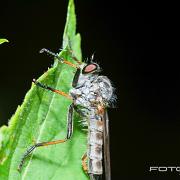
(42, 117)
(3, 41)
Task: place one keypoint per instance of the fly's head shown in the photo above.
(91, 69)
(88, 72)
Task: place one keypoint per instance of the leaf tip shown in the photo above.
(3, 41)
(70, 27)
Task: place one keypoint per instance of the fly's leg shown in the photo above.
(41, 144)
(74, 57)
(52, 89)
(59, 58)
(78, 70)
(30, 150)
(84, 163)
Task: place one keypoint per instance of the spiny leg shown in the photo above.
(52, 89)
(30, 150)
(84, 162)
(59, 58)
(68, 136)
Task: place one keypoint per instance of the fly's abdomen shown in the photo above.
(95, 143)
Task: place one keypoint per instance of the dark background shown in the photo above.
(134, 42)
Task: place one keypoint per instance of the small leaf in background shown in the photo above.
(42, 117)
(3, 41)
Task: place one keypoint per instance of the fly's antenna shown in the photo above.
(92, 57)
(87, 60)
(44, 50)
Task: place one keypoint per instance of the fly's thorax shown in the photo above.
(92, 91)
(81, 101)
(105, 89)
(84, 95)
(86, 80)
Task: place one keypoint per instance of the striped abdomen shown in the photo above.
(95, 142)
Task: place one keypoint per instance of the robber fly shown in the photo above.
(91, 95)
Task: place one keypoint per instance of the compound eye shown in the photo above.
(89, 68)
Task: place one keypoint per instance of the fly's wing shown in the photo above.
(107, 165)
